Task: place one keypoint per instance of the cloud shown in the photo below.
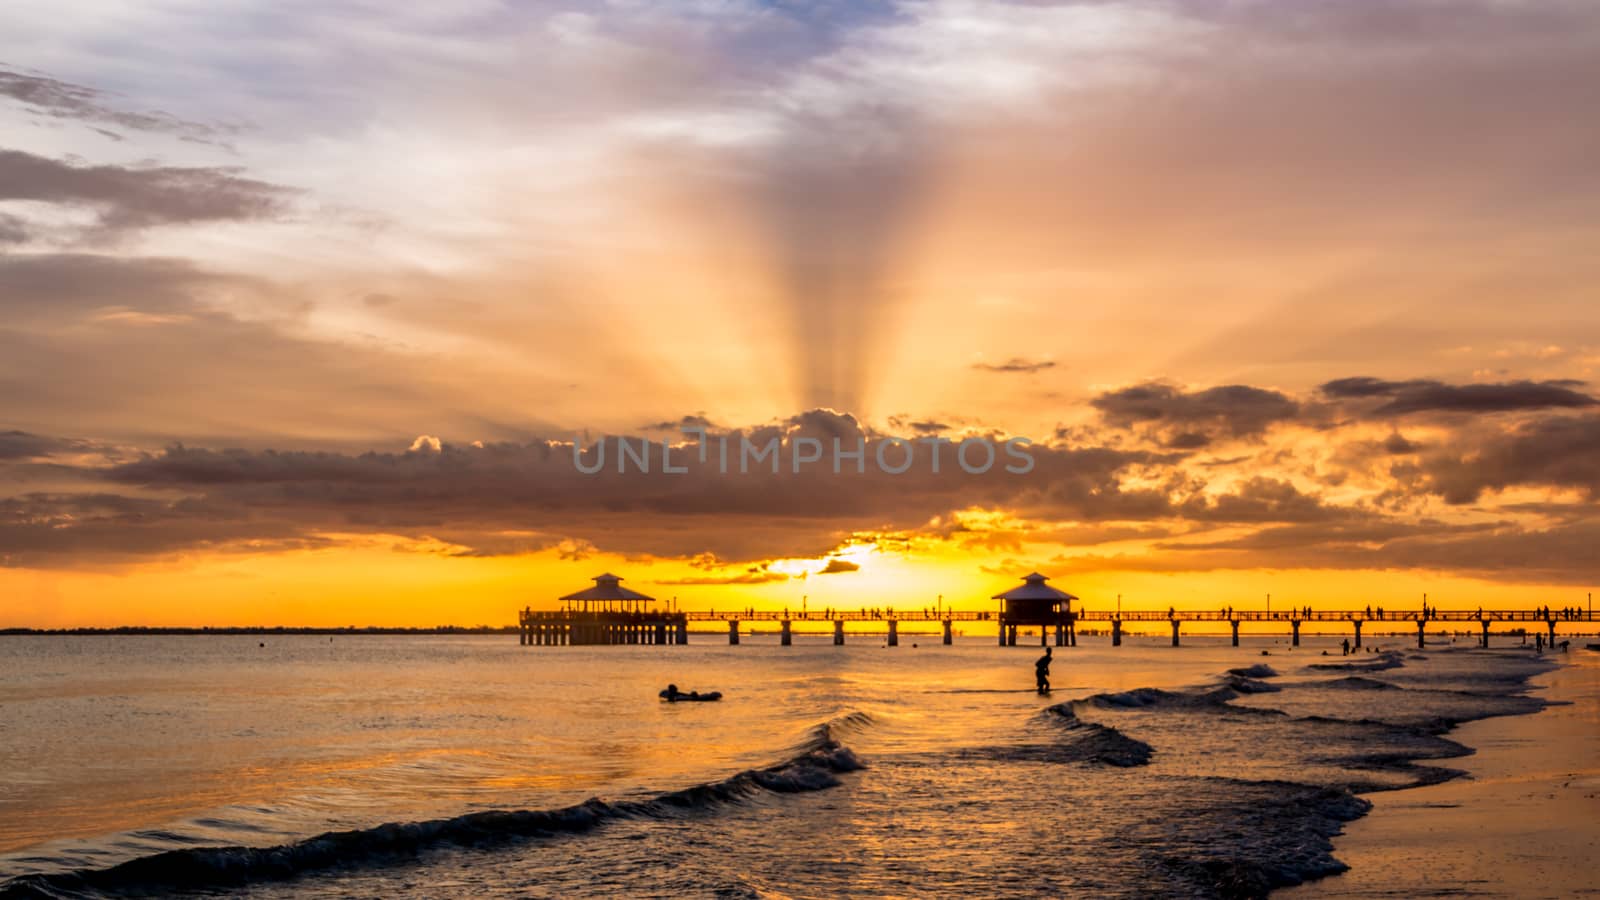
(1427, 396)
(691, 422)
(491, 496)
(1561, 452)
(489, 499)
(1557, 554)
(751, 575)
(146, 350)
(1397, 444)
(88, 528)
(126, 199)
(13, 229)
(1187, 420)
(64, 100)
(1261, 499)
(15, 445)
(426, 443)
(1016, 364)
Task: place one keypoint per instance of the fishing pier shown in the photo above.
(611, 614)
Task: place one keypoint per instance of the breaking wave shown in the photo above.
(820, 758)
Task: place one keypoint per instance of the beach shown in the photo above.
(1524, 822)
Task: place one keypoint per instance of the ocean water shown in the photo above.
(470, 766)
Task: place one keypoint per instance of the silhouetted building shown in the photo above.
(607, 613)
(1034, 603)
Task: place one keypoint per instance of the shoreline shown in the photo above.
(1517, 823)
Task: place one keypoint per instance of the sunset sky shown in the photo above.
(304, 303)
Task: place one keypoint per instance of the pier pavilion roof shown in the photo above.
(1033, 587)
(607, 590)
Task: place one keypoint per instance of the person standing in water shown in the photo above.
(1041, 672)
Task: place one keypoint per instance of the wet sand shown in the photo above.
(1524, 823)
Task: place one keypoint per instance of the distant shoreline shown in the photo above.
(254, 630)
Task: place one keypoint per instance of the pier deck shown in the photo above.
(539, 628)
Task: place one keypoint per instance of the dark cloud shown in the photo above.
(1423, 395)
(1397, 445)
(1189, 420)
(836, 566)
(64, 100)
(67, 529)
(126, 198)
(515, 497)
(1016, 364)
(1557, 452)
(15, 445)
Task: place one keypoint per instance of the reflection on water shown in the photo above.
(1149, 769)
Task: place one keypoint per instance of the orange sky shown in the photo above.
(1294, 298)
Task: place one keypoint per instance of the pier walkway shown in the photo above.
(653, 627)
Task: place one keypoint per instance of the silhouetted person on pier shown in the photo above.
(1041, 672)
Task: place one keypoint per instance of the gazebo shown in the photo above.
(1035, 603)
(607, 595)
(607, 613)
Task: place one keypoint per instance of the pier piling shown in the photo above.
(1357, 623)
(788, 635)
(1294, 628)
(948, 635)
(1235, 624)
(894, 632)
(838, 632)
(733, 632)
(1116, 632)
(1174, 632)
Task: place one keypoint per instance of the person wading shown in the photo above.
(1041, 672)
